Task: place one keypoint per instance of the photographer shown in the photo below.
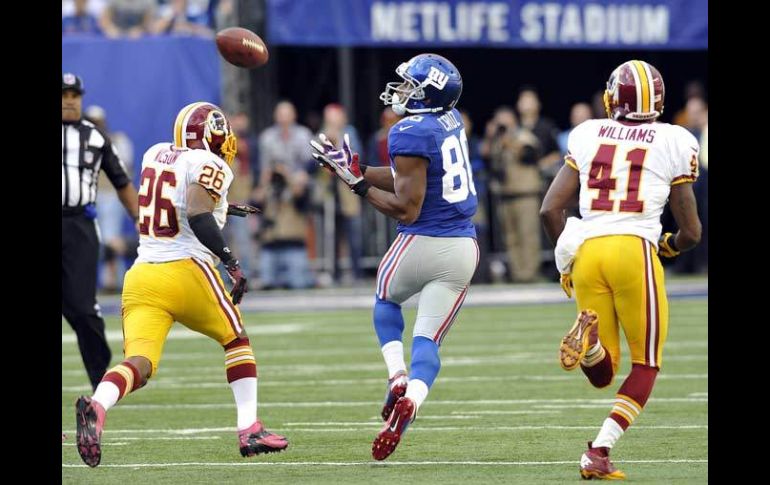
(284, 199)
(514, 152)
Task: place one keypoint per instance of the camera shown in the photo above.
(278, 182)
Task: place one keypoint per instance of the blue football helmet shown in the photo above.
(430, 84)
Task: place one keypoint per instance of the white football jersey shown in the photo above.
(626, 173)
(167, 171)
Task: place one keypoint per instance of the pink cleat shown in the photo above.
(89, 419)
(256, 439)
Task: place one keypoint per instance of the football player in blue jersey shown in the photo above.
(429, 189)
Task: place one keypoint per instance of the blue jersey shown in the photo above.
(450, 196)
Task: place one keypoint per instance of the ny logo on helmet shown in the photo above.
(437, 78)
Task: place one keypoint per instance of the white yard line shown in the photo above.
(371, 463)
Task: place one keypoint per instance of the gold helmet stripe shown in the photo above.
(644, 105)
(651, 85)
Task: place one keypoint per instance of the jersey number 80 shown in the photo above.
(454, 153)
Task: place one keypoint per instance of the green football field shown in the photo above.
(501, 410)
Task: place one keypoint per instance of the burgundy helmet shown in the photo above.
(204, 126)
(635, 91)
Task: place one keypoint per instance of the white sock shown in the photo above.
(417, 391)
(597, 347)
(393, 352)
(107, 394)
(245, 393)
(609, 434)
(594, 355)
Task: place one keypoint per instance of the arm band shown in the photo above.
(205, 228)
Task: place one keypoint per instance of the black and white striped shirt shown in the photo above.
(86, 150)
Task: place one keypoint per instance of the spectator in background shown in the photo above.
(377, 148)
(517, 183)
(693, 89)
(118, 244)
(283, 190)
(480, 181)
(185, 17)
(81, 21)
(93, 7)
(347, 205)
(129, 18)
(528, 106)
(284, 200)
(284, 142)
(549, 158)
(579, 113)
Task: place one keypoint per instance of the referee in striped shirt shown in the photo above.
(85, 151)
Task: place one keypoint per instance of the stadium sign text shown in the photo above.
(574, 24)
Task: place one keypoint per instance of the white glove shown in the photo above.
(340, 161)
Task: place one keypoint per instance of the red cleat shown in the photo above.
(396, 390)
(595, 464)
(255, 440)
(386, 441)
(89, 419)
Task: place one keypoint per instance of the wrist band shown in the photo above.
(361, 188)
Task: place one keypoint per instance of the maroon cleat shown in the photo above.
(386, 441)
(89, 420)
(255, 440)
(595, 463)
(395, 390)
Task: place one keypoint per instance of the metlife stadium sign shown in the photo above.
(583, 24)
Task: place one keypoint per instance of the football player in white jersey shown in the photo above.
(182, 207)
(626, 169)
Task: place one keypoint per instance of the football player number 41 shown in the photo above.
(600, 178)
(454, 153)
(151, 200)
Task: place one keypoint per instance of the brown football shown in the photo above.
(242, 47)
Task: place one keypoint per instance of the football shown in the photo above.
(242, 47)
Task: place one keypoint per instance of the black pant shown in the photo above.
(79, 256)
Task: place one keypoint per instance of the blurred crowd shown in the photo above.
(314, 232)
(136, 18)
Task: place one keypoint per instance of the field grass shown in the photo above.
(501, 411)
